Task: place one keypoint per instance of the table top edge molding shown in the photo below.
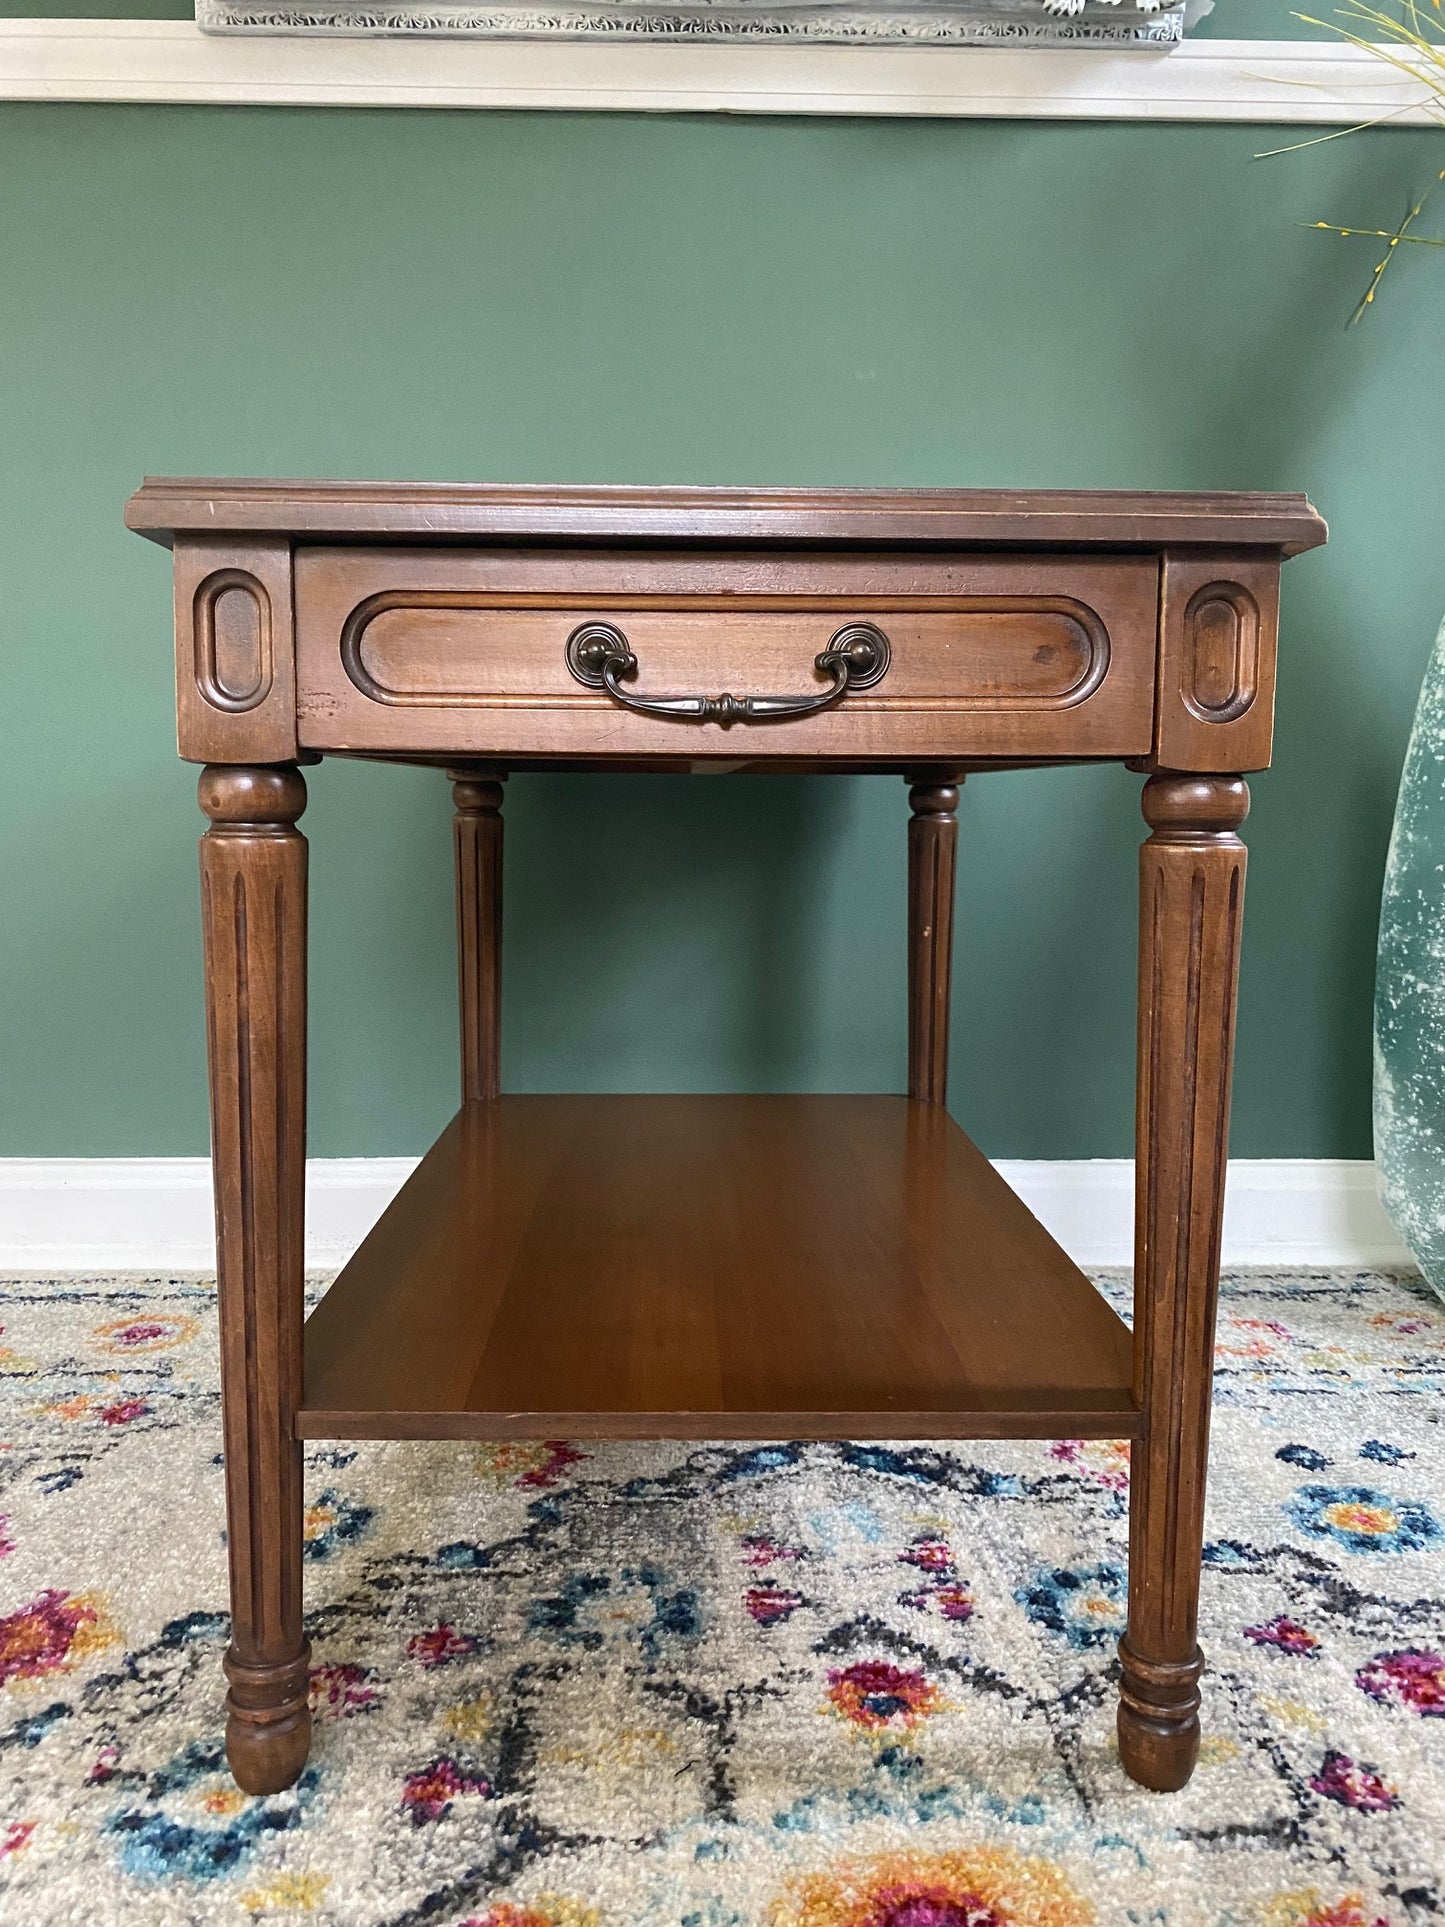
(461, 512)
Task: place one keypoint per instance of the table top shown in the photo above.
(441, 512)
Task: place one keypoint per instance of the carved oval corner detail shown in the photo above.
(231, 626)
(1219, 672)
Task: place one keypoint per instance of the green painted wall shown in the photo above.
(714, 300)
(1261, 20)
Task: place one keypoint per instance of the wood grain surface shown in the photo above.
(712, 1267)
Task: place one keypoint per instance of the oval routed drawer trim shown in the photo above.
(463, 652)
(473, 649)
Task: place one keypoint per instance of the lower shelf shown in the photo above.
(713, 1268)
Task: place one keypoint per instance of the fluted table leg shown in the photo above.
(932, 852)
(253, 891)
(477, 842)
(1191, 903)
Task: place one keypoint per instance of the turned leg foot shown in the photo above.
(1159, 1719)
(268, 1722)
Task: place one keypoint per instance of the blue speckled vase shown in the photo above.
(1410, 993)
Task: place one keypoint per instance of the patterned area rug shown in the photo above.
(673, 1686)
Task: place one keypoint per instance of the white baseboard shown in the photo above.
(154, 1214)
(1326, 82)
(1278, 1211)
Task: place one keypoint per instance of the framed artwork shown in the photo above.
(1001, 23)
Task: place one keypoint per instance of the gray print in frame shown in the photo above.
(994, 23)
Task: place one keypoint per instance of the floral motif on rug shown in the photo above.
(867, 1685)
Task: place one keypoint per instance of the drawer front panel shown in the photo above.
(465, 652)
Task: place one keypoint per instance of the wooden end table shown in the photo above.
(716, 1267)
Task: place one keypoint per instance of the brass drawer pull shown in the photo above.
(600, 655)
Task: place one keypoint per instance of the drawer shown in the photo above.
(484, 652)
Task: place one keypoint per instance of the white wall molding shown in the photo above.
(1278, 1211)
(154, 1214)
(160, 61)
